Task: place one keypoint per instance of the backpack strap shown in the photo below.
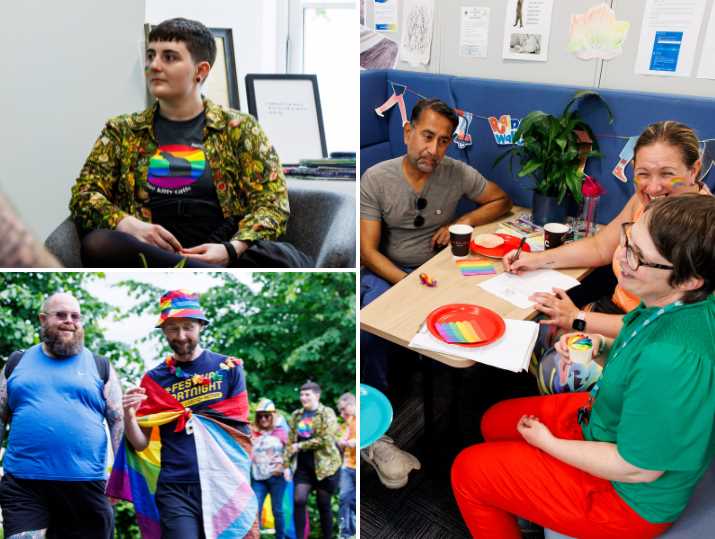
(12, 362)
(102, 364)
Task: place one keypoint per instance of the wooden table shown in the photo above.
(398, 313)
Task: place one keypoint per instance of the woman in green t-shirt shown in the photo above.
(623, 460)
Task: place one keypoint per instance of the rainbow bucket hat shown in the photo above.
(180, 304)
(265, 406)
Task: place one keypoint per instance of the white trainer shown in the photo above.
(391, 463)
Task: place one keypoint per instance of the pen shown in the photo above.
(518, 251)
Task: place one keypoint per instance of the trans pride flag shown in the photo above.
(229, 506)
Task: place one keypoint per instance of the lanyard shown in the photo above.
(627, 340)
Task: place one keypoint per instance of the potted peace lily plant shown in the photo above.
(553, 150)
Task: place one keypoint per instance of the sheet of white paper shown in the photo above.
(669, 37)
(706, 69)
(474, 31)
(416, 40)
(516, 289)
(512, 352)
(377, 51)
(527, 26)
(385, 15)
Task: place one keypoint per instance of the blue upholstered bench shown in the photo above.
(381, 138)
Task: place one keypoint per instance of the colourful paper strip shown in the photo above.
(459, 332)
(476, 267)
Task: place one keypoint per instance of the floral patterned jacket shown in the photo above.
(323, 442)
(247, 173)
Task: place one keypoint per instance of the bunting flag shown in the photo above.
(461, 135)
(619, 171)
(391, 101)
(228, 504)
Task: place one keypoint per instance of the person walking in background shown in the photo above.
(269, 440)
(346, 407)
(313, 455)
(56, 396)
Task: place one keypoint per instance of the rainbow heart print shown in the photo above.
(465, 331)
(472, 267)
(175, 166)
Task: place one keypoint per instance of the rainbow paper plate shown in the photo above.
(375, 415)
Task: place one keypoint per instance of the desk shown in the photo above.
(398, 313)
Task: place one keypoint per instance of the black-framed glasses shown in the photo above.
(633, 259)
(420, 204)
(65, 315)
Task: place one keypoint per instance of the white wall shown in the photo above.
(66, 67)
(562, 67)
(256, 26)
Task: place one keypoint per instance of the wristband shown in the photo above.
(232, 255)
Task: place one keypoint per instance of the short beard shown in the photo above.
(190, 345)
(61, 348)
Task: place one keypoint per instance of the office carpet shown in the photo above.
(425, 508)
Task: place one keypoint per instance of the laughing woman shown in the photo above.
(666, 163)
(624, 460)
(184, 178)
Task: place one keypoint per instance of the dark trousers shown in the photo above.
(180, 513)
(66, 509)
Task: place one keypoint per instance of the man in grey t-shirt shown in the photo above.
(406, 207)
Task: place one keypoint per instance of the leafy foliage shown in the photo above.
(21, 298)
(551, 148)
(288, 328)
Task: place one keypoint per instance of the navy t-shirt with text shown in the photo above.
(178, 449)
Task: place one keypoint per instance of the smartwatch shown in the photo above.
(579, 323)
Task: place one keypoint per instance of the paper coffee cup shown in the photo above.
(459, 237)
(554, 234)
(580, 349)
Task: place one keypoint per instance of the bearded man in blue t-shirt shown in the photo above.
(58, 395)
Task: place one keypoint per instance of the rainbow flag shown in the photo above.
(459, 332)
(471, 267)
(229, 506)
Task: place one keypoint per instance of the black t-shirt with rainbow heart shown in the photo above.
(182, 196)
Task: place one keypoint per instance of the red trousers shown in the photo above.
(505, 476)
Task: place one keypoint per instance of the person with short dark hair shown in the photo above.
(406, 207)
(185, 181)
(56, 400)
(622, 461)
(666, 163)
(312, 458)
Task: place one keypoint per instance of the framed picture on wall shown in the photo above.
(221, 86)
(288, 109)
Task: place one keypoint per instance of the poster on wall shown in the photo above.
(597, 34)
(669, 37)
(527, 26)
(706, 69)
(385, 15)
(417, 23)
(376, 50)
(473, 31)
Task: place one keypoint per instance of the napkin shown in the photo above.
(512, 352)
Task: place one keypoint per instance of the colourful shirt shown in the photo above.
(57, 408)
(246, 169)
(178, 450)
(267, 459)
(656, 402)
(324, 432)
(349, 433)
